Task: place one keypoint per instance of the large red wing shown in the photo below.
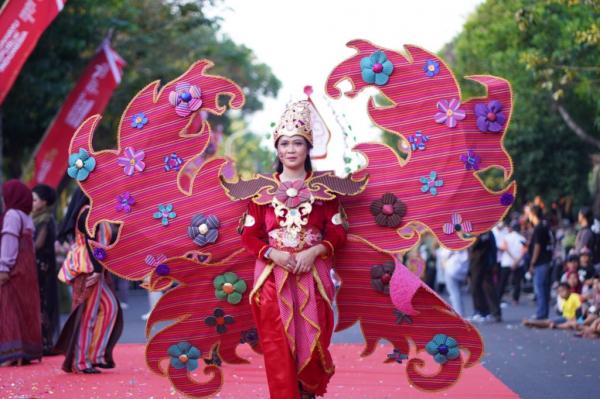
(163, 136)
(437, 148)
(358, 301)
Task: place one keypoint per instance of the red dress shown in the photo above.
(293, 313)
(20, 320)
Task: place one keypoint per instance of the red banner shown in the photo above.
(89, 97)
(22, 22)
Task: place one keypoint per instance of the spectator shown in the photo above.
(540, 253)
(456, 267)
(586, 268)
(499, 231)
(571, 306)
(584, 235)
(482, 262)
(571, 266)
(20, 327)
(513, 249)
(591, 311)
(45, 257)
(574, 282)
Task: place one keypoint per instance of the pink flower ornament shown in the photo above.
(292, 193)
(450, 112)
(457, 225)
(185, 98)
(132, 160)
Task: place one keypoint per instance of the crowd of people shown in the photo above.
(29, 279)
(555, 257)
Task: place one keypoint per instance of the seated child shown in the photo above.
(570, 308)
(590, 308)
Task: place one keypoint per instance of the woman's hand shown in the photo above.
(92, 279)
(4, 276)
(306, 259)
(282, 259)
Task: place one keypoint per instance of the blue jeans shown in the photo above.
(542, 283)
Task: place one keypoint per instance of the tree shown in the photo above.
(548, 50)
(158, 39)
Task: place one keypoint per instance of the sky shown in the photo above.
(302, 41)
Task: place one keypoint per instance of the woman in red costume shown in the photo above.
(294, 238)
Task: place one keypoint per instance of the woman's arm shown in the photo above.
(334, 231)
(9, 247)
(254, 234)
(40, 238)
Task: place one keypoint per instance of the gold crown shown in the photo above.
(295, 121)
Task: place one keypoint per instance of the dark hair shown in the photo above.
(515, 226)
(69, 223)
(307, 161)
(588, 215)
(537, 211)
(564, 285)
(46, 193)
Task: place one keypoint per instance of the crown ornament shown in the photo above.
(295, 121)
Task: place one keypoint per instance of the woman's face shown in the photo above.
(38, 203)
(292, 151)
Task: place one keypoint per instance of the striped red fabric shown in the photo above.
(190, 303)
(414, 95)
(164, 134)
(357, 301)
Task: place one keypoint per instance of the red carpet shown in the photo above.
(355, 378)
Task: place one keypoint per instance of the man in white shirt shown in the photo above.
(512, 246)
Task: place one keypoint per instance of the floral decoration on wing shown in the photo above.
(138, 167)
(436, 180)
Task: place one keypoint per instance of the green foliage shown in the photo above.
(549, 51)
(158, 39)
(251, 157)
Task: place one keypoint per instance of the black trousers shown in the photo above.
(485, 296)
(517, 278)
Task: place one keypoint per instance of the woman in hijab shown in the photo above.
(45, 234)
(20, 329)
(96, 321)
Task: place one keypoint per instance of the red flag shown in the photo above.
(89, 97)
(22, 22)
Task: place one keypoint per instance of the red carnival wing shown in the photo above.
(360, 300)
(438, 182)
(153, 149)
